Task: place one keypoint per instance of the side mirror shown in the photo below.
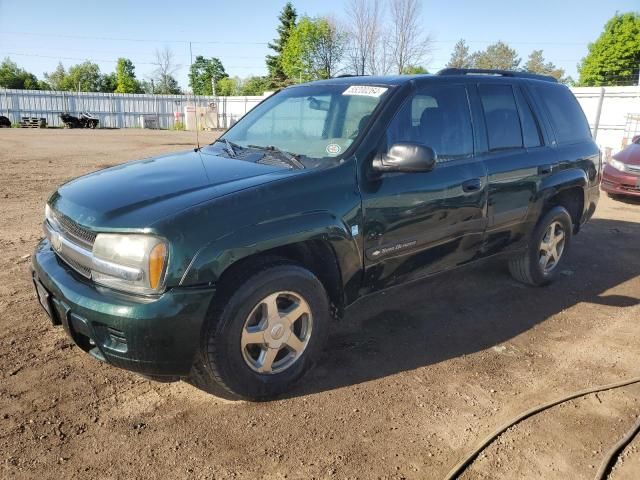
(635, 139)
(406, 157)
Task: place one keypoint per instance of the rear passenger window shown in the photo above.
(565, 114)
(437, 116)
(530, 128)
(501, 117)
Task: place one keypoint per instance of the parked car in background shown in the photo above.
(621, 174)
(225, 265)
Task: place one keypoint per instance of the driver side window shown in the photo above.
(437, 116)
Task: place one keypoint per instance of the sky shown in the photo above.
(38, 34)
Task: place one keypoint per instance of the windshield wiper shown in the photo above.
(288, 156)
(230, 148)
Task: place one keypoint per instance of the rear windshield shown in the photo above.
(316, 121)
(565, 114)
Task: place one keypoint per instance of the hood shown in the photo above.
(630, 155)
(137, 194)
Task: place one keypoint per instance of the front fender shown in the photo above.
(215, 257)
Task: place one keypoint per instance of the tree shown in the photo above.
(365, 35)
(460, 58)
(498, 56)
(11, 76)
(414, 70)
(330, 47)
(614, 58)
(202, 72)
(83, 77)
(125, 77)
(109, 83)
(165, 84)
(408, 44)
(536, 64)
(56, 79)
(227, 87)
(287, 19)
(255, 86)
(313, 50)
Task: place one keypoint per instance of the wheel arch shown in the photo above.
(566, 189)
(318, 242)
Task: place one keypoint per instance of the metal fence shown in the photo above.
(606, 108)
(118, 110)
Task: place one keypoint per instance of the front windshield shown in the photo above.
(315, 121)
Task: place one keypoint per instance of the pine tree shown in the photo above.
(536, 64)
(287, 19)
(460, 57)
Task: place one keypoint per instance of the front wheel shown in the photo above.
(266, 336)
(541, 263)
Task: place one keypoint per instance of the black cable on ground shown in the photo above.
(462, 466)
(610, 460)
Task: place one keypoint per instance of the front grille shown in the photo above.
(81, 269)
(633, 169)
(75, 232)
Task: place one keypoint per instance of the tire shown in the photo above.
(530, 267)
(231, 363)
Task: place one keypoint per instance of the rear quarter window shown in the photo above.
(566, 116)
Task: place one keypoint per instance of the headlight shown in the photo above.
(618, 165)
(133, 263)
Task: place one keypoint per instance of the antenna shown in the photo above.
(195, 109)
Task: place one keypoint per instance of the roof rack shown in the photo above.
(346, 75)
(503, 73)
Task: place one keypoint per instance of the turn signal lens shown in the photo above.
(156, 264)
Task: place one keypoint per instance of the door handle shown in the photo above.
(472, 185)
(545, 169)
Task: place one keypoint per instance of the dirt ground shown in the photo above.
(410, 381)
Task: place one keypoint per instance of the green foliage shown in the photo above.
(201, 73)
(108, 83)
(255, 86)
(227, 87)
(287, 19)
(313, 50)
(11, 76)
(414, 70)
(84, 77)
(57, 78)
(167, 85)
(460, 58)
(498, 56)
(614, 58)
(125, 77)
(179, 126)
(536, 64)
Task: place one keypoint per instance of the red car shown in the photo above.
(621, 174)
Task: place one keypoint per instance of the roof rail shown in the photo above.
(346, 75)
(503, 73)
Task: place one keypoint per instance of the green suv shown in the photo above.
(225, 266)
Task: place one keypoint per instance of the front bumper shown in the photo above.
(620, 183)
(153, 336)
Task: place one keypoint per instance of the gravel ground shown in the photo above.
(411, 379)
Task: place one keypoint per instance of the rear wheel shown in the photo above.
(541, 263)
(266, 336)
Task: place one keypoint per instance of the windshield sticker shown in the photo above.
(334, 149)
(364, 90)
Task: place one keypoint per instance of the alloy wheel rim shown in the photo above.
(276, 333)
(551, 246)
